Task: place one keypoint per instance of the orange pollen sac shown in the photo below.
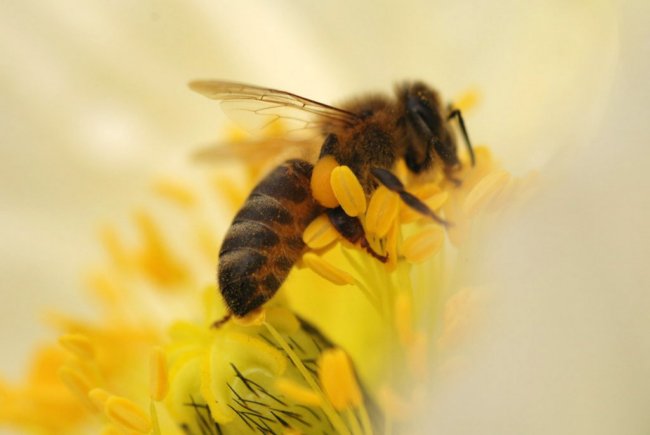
(321, 187)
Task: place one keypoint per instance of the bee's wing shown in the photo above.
(295, 113)
(262, 150)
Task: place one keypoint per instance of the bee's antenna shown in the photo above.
(393, 183)
(455, 113)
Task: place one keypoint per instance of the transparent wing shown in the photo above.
(261, 151)
(270, 107)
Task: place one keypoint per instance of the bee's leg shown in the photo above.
(391, 182)
(455, 113)
(219, 323)
(351, 228)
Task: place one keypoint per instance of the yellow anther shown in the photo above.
(348, 191)
(327, 270)
(467, 100)
(338, 380)
(159, 375)
(98, 397)
(77, 383)
(320, 233)
(127, 414)
(423, 245)
(175, 192)
(115, 248)
(321, 187)
(484, 191)
(157, 259)
(79, 345)
(382, 211)
(297, 392)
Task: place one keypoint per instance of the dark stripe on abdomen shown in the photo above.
(265, 238)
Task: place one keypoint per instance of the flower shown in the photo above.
(556, 103)
(143, 365)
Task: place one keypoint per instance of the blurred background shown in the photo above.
(95, 103)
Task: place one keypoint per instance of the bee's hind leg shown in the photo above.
(351, 228)
(391, 182)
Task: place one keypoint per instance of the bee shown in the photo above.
(369, 135)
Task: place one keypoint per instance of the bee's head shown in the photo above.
(426, 130)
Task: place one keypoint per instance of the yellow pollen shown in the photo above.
(127, 414)
(423, 244)
(320, 233)
(338, 380)
(297, 392)
(484, 191)
(327, 270)
(98, 397)
(382, 211)
(159, 374)
(348, 191)
(175, 192)
(321, 187)
(79, 345)
(77, 383)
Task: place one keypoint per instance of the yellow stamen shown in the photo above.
(382, 211)
(115, 248)
(98, 397)
(156, 258)
(337, 379)
(327, 270)
(321, 187)
(348, 191)
(297, 392)
(77, 383)
(127, 414)
(467, 100)
(484, 191)
(159, 374)
(175, 192)
(79, 345)
(423, 244)
(320, 233)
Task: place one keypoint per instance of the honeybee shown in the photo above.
(368, 135)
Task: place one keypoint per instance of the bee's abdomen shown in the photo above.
(265, 238)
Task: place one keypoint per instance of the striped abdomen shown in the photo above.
(265, 238)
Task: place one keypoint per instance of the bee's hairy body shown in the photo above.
(368, 135)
